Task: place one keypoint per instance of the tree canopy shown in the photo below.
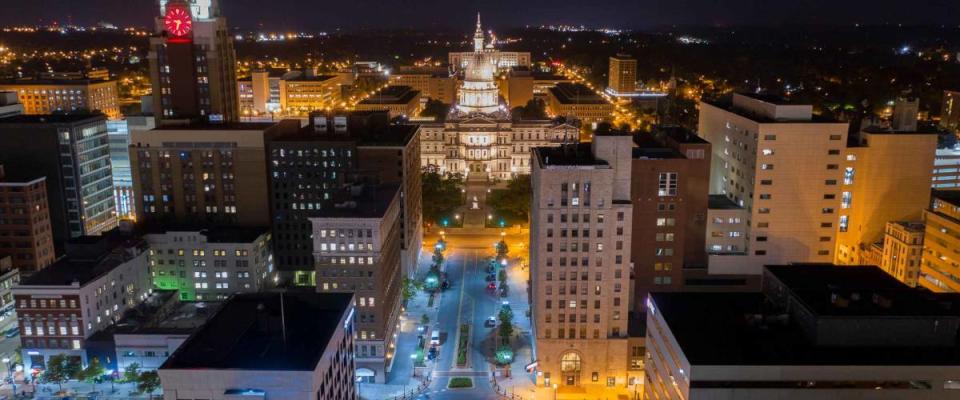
(441, 194)
(514, 202)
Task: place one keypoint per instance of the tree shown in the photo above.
(59, 369)
(410, 288)
(92, 373)
(436, 109)
(534, 109)
(132, 373)
(441, 194)
(424, 319)
(514, 201)
(149, 381)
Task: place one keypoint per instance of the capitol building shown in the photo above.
(478, 137)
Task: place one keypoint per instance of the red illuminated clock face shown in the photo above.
(178, 21)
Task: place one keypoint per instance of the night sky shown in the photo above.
(352, 14)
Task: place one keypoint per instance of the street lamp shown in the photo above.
(554, 391)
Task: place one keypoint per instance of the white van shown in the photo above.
(435, 338)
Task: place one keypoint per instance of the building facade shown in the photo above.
(357, 250)
(317, 361)
(950, 111)
(73, 152)
(622, 78)
(26, 235)
(400, 101)
(580, 242)
(764, 151)
(903, 251)
(938, 271)
(61, 306)
(577, 101)
(190, 174)
(193, 64)
(211, 264)
(48, 96)
(119, 133)
(303, 94)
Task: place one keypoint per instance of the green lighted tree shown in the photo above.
(92, 373)
(132, 373)
(149, 382)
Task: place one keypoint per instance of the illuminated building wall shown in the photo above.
(63, 95)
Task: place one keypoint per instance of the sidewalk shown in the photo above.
(400, 381)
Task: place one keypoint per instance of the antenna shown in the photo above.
(283, 320)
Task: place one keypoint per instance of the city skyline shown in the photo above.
(435, 14)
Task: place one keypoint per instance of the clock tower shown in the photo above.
(192, 64)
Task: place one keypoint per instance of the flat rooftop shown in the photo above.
(579, 154)
(372, 202)
(65, 118)
(154, 316)
(362, 134)
(576, 93)
(316, 78)
(392, 95)
(816, 285)
(87, 259)
(949, 196)
(680, 135)
(727, 104)
(721, 202)
(248, 333)
(209, 126)
(714, 329)
(216, 234)
(54, 82)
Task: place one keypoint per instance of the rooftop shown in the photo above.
(52, 82)
(315, 78)
(365, 128)
(911, 226)
(579, 154)
(366, 202)
(392, 95)
(730, 104)
(721, 202)
(714, 329)
(265, 331)
(680, 135)
(159, 314)
(818, 287)
(947, 196)
(12, 175)
(209, 126)
(65, 118)
(576, 93)
(215, 234)
(87, 259)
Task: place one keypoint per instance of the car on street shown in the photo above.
(491, 286)
(491, 277)
(432, 353)
(11, 332)
(490, 322)
(435, 338)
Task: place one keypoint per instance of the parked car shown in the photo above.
(491, 277)
(435, 338)
(491, 286)
(490, 322)
(11, 332)
(432, 354)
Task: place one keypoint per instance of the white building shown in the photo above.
(781, 164)
(946, 168)
(211, 264)
(60, 306)
(479, 136)
(291, 346)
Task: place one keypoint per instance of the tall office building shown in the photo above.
(310, 167)
(577, 101)
(72, 151)
(669, 183)
(886, 178)
(357, 250)
(193, 63)
(25, 232)
(901, 252)
(200, 173)
(580, 242)
(938, 271)
(950, 111)
(783, 165)
(119, 133)
(622, 78)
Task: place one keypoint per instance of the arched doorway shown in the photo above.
(570, 367)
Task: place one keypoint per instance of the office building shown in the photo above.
(902, 251)
(439, 86)
(49, 96)
(10, 104)
(349, 148)
(210, 264)
(25, 232)
(726, 226)
(362, 235)
(190, 174)
(9, 278)
(950, 111)
(400, 101)
(580, 247)
(622, 78)
(885, 179)
(764, 150)
(941, 238)
(296, 346)
(946, 166)
(60, 306)
(304, 93)
(119, 133)
(905, 113)
(72, 151)
(577, 101)
(815, 332)
(670, 179)
(259, 93)
(193, 64)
